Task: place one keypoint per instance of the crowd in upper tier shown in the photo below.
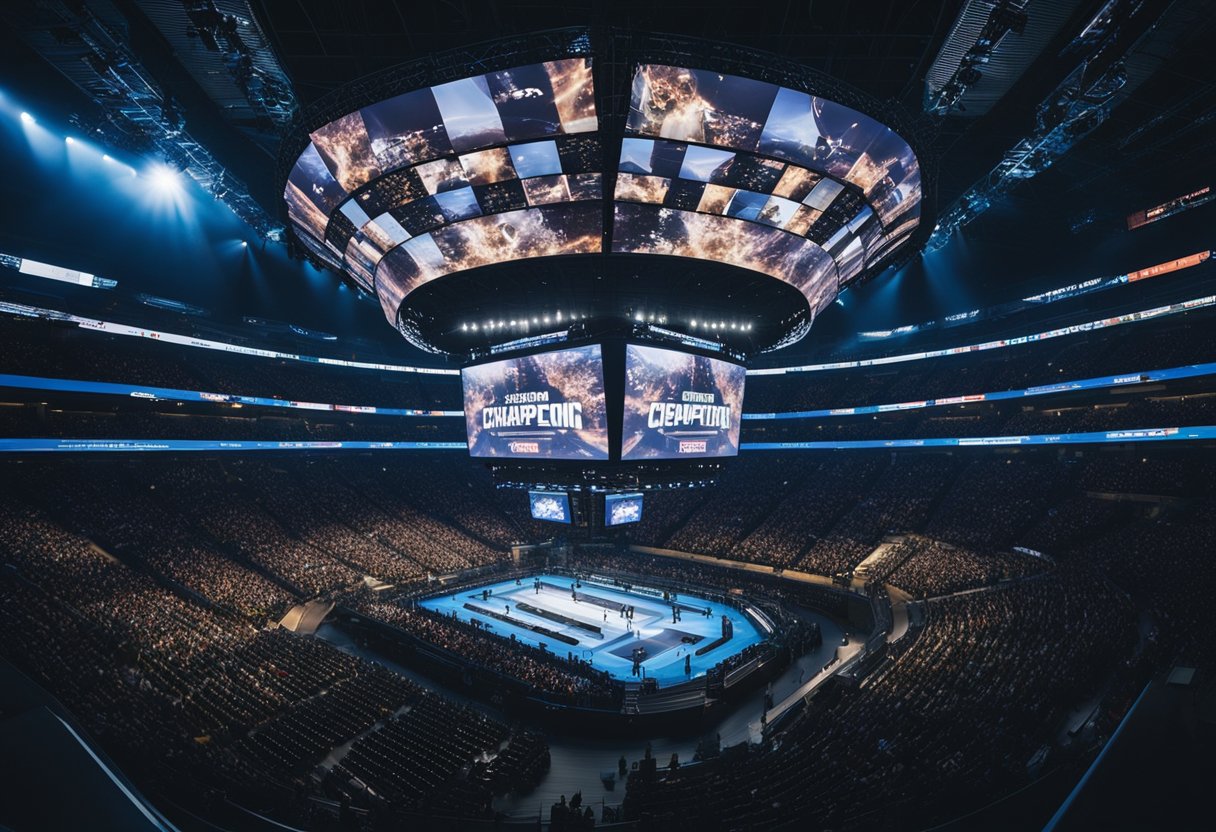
(40, 350)
(35, 348)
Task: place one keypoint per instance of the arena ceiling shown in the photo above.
(1147, 152)
(880, 47)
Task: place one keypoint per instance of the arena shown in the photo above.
(631, 416)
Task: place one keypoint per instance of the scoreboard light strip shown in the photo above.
(171, 394)
(1181, 434)
(1102, 323)
(1100, 383)
(1095, 437)
(145, 445)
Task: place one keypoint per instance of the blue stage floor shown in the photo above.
(598, 606)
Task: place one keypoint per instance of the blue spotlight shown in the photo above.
(165, 179)
(26, 118)
(69, 140)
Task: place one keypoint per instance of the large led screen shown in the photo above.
(567, 228)
(649, 229)
(544, 406)
(452, 176)
(707, 107)
(550, 506)
(679, 405)
(620, 509)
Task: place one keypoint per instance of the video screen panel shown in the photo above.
(541, 231)
(540, 101)
(545, 406)
(620, 509)
(679, 405)
(550, 506)
(707, 107)
(729, 238)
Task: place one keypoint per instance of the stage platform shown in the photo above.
(592, 627)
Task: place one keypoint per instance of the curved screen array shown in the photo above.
(779, 181)
(454, 176)
(508, 165)
(818, 136)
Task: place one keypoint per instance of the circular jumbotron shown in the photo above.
(580, 156)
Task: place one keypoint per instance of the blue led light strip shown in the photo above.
(132, 445)
(170, 394)
(94, 325)
(1096, 437)
(1100, 383)
(1103, 323)
(142, 445)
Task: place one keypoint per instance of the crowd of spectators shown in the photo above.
(302, 525)
(201, 705)
(37, 348)
(898, 500)
(139, 592)
(1165, 563)
(110, 418)
(956, 718)
(927, 567)
(1162, 344)
(41, 350)
(122, 514)
(947, 726)
(140, 419)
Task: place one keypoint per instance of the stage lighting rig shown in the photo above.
(136, 113)
(1077, 106)
(1005, 17)
(234, 38)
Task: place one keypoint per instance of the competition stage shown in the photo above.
(541, 610)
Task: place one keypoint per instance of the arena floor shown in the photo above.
(510, 608)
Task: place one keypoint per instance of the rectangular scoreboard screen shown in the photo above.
(552, 506)
(545, 406)
(620, 509)
(679, 405)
